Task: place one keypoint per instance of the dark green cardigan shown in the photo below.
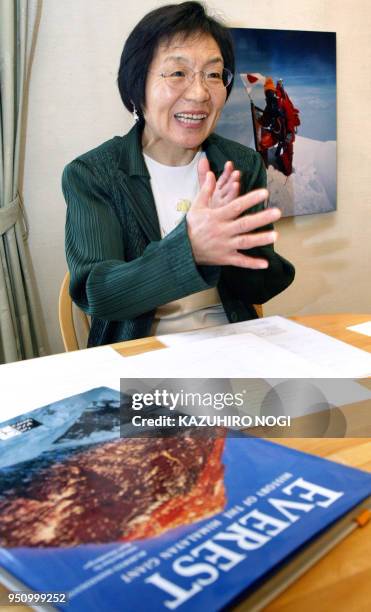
(121, 269)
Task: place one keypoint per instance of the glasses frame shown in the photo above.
(190, 81)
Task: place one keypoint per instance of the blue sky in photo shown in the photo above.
(306, 61)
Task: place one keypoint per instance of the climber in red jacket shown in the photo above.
(291, 122)
(279, 122)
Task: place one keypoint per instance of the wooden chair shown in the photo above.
(66, 317)
(259, 310)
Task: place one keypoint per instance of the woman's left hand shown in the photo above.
(227, 186)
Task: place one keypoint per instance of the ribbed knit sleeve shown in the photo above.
(103, 284)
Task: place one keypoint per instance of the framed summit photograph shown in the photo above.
(283, 105)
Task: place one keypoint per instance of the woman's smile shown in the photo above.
(191, 119)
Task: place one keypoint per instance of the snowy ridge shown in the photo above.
(312, 186)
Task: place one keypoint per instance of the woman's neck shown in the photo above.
(166, 153)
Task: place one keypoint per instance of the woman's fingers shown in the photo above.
(239, 205)
(245, 261)
(251, 222)
(225, 176)
(219, 231)
(249, 241)
(208, 187)
(228, 186)
(230, 192)
(203, 168)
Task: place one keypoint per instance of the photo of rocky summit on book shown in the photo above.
(81, 491)
(183, 522)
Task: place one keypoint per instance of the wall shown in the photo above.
(74, 105)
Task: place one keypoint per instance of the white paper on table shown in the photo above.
(361, 328)
(245, 356)
(274, 348)
(238, 356)
(342, 359)
(29, 384)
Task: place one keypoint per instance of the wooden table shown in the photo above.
(330, 324)
(341, 581)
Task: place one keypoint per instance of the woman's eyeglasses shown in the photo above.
(181, 78)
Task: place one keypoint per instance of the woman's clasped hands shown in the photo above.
(219, 230)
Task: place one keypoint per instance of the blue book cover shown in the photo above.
(181, 522)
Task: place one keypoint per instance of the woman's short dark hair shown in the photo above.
(161, 25)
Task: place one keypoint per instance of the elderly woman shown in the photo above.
(166, 227)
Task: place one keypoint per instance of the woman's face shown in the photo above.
(180, 120)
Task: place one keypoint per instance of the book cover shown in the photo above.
(180, 522)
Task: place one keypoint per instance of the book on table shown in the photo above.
(178, 522)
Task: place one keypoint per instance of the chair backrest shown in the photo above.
(66, 317)
(259, 310)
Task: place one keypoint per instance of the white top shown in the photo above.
(174, 188)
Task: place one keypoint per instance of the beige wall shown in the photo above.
(74, 105)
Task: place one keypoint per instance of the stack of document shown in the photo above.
(272, 347)
(301, 351)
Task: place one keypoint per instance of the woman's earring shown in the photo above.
(135, 113)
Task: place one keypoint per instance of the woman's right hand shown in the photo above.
(217, 235)
(227, 186)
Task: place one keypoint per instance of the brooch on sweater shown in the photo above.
(183, 206)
